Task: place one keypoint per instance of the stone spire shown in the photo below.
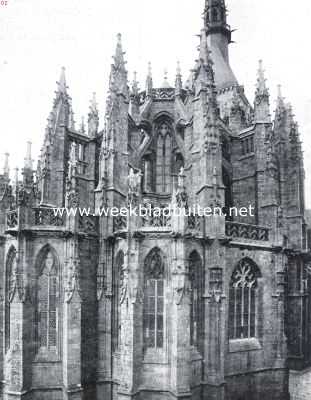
(6, 168)
(178, 81)
(93, 117)
(261, 104)
(149, 81)
(62, 87)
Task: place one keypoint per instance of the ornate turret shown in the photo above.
(219, 38)
(215, 15)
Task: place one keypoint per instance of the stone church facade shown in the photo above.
(159, 308)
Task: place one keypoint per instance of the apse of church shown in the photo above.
(156, 307)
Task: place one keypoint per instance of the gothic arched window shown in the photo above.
(196, 304)
(48, 303)
(117, 282)
(163, 165)
(148, 173)
(10, 287)
(154, 300)
(243, 300)
(179, 162)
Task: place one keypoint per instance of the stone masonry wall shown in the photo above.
(300, 385)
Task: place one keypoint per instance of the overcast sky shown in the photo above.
(38, 37)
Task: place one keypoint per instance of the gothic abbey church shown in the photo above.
(156, 307)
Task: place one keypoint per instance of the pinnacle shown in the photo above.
(62, 87)
(135, 88)
(149, 82)
(119, 54)
(165, 83)
(261, 87)
(178, 82)
(6, 168)
(28, 160)
(93, 103)
(178, 69)
(280, 98)
(149, 70)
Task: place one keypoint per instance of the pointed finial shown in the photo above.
(149, 69)
(93, 117)
(178, 69)
(93, 101)
(6, 168)
(62, 87)
(82, 125)
(149, 82)
(16, 176)
(135, 88)
(119, 54)
(28, 160)
(280, 98)
(261, 102)
(165, 79)
(178, 83)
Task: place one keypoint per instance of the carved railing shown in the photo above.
(119, 223)
(88, 224)
(247, 231)
(46, 216)
(12, 219)
(156, 219)
(194, 222)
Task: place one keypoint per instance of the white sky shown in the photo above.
(37, 37)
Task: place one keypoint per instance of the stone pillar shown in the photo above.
(72, 388)
(104, 315)
(17, 369)
(131, 323)
(214, 325)
(131, 301)
(281, 342)
(180, 333)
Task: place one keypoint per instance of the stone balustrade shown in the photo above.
(247, 231)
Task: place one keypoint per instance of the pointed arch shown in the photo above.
(196, 279)
(163, 156)
(10, 267)
(244, 300)
(153, 321)
(117, 283)
(47, 299)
